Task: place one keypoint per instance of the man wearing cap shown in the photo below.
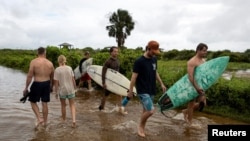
(144, 77)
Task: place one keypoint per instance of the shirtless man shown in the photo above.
(201, 52)
(42, 71)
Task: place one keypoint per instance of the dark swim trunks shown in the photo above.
(40, 90)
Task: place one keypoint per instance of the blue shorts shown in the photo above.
(40, 90)
(147, 101)
(69, 96)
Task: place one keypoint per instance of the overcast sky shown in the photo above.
(175, 24)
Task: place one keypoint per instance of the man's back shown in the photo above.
(42, 69)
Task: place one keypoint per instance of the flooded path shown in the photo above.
(17, 119)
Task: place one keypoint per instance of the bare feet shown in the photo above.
(141, 132)
(185, 115)
(122, 110)
(91, 89)
(39, 122)
(73, 125)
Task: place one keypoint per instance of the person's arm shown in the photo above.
(73, 78)
(132, 84)
(158, 78)
(52, 77)
(190, 69)
(29, 77)
(104, 71)
(56, 84)
(74, 82)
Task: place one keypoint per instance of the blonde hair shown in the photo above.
(61, 59)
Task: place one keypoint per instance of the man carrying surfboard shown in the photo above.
(198, 59)
(144, 77)
(113, 63)
(85, 76)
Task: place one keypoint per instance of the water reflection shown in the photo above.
(239, 73)
(17, 119)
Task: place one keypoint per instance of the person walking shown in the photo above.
(113, 63)
(85, 76)
(144, 77)
(198, 59)
(65, 86)
(41, 70)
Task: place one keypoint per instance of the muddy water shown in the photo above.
(18, 121)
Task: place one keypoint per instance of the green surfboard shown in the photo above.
(183, 91)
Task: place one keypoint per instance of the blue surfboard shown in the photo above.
(183, 91)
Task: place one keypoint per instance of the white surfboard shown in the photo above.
(85, 64)
(115, 81)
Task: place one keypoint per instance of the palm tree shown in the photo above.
(121, 26)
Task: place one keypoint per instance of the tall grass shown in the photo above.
(171, 71)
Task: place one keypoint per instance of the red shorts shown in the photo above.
(85, 77)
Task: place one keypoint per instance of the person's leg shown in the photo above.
(88, 78)
(89, 84)
(190, 110)
(103, 101)
(34, 97)
(185, 115)
(144, 117)
(45, 112)
(148, 111)
(63, 108)
(119, 100)
(35, 109)
(45, 98)
(81, 81)
(201, 102)
(121, 105)
(196, 106)
(73, 111)
(79, 84)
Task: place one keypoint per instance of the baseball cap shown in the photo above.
(154, 46)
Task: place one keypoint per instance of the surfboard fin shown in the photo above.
(165, 104)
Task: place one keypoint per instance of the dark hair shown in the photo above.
(86, 53)
(41, 50)
(112, 48)
(200, 46)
